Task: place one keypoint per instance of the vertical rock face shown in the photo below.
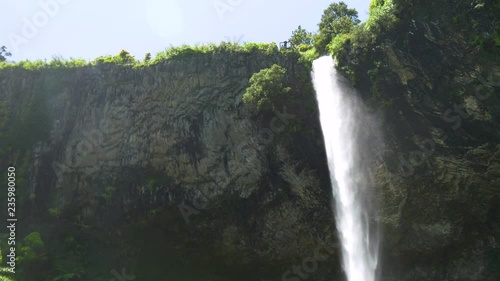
(172, 147)
(138, 162)
(438, 92)
(440, 200)
(180, 119)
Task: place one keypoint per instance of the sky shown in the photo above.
(41, 29)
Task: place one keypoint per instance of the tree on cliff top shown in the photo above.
(4, 54)
(337, 19)
(300, 36)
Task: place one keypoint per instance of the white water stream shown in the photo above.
(341, 116)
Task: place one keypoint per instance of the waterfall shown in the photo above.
(347, 135)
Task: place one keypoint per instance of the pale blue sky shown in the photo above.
(91, 28)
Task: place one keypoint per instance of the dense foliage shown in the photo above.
(266, 88)
(223, 47)
(364, 46)
(4, 53)
(337, 19)
(361, 51)
(301, 36)
(125, 58)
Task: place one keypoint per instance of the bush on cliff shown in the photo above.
(266, 88)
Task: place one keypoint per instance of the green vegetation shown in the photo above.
(223, 47)
(124, 58)
(337, 19)
(31, 122)
(382, 17)
(31, 246)
(266, 88)
(4, 54)
(360, 49)
(482, 24)
(5, 275)
(363, 37)
(55, 212)
(302, 43)
(32, 256)
(55, 63)
(109, 191)
(361, 45)
(341, 34)
(301, 37)
(337, 44)
(68, 263)
(21, 128)
(147, 58)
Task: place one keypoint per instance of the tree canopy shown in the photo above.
(266, 88)
(300, 36)
(4, 53)
(337, 19)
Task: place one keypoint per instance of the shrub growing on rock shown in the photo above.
(266, 88)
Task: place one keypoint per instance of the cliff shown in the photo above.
(121, 166)
(145, 161)
(434, 77)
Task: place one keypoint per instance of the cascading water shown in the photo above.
(347, 141)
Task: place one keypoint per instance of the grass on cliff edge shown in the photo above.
(124, 58)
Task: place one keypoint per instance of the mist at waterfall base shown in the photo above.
(350, 137)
